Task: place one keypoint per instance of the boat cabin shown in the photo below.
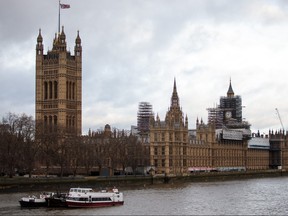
(80, 190)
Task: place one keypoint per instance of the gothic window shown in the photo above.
(50, 90)
(184, 151)
(50, 123)
(45, 90)
(55, 123)
(170, 137)
(155, 137)
(55, 90)
(163, 137)
(55, 120)
(163, 150)
(73, 91)
(155, 151)
(184, 162)
(67, 91)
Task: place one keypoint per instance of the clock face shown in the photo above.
(228, 114)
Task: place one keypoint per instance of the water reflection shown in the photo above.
(265, 196)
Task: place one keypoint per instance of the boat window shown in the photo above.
(83, 199)
(101, 199)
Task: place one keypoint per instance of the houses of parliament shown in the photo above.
(224, 143)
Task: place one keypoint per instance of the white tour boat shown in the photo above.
(86, 197)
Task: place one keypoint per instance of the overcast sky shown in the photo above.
(133, 50)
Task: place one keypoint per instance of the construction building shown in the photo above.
(143, 116)
(231, 106)
(228, 112)
(215, 116)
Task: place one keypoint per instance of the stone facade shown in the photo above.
(169, 140)
(59, 85)
(176, 151)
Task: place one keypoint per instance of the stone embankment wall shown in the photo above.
(22, 184)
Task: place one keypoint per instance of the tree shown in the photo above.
(30, 148)
(74, 151)
(48, 142)
(17, 144)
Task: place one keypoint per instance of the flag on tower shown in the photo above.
(64, 6)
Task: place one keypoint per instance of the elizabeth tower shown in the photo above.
(59, 85)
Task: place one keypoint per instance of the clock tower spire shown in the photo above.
(230, 92)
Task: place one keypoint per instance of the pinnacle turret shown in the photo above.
(174, 98)
(230, 92)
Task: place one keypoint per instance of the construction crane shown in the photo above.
(279, 118)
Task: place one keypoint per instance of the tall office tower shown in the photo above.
(59, 85)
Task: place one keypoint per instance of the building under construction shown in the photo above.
(215, 117)
(233, 105)
(144, 113)
(228, 113)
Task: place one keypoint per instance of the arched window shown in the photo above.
(70, 90)
(73, 91)
(50, 123)
(67, 91)
(73, 121)
(55, 120)
(55, 90)
(50, 89)
(55, 123)
(45, 90)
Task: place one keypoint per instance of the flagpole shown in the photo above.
(59, 19)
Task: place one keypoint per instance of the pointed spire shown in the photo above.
(39, 45)
(39, 38)
(174, 87)
(78, 39)
(230, 92)
(62, 35)
(174, 98)
(78, 48)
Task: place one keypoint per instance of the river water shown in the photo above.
(262, 196)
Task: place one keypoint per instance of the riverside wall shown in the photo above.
(24, 184)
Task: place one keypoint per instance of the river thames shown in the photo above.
(261, 196)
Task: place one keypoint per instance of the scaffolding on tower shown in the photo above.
(143, 117)
(215, 117)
